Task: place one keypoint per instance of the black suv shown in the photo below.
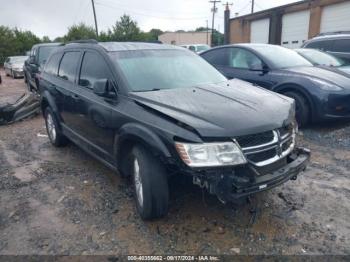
(155, 110)
(32, 66)
(336, 43)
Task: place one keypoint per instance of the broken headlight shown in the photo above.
(210, 154)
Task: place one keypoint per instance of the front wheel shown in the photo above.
(150, 183)
(55, 135)
(302, 109)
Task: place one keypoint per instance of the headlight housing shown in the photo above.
(327, 86)
(210, 154)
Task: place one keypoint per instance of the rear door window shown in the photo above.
(341, 46)
(68, 66)
(52, 65)
(93, 68)
(321, 45)
(218, 57)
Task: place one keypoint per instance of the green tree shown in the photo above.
(45, 39)
(218, 38)
(15, 42)
(105, 36)
(154, 34)
(126, 30)
(80, 32)
(6, 43)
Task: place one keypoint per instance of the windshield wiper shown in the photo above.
(151, 90)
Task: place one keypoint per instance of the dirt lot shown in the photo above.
(61, 201)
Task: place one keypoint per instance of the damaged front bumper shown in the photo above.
(230, 185)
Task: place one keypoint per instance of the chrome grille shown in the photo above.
(268, 147)
(255, 140)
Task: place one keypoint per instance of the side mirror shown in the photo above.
(102, 88)
(259, 67)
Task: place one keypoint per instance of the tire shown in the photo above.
(302, 108)
(150, 183)
(55, 135)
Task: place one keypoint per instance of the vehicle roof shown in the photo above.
(246, 45)
(47, 44)
(122, 46)
(132, 46)
(330, 36)
(17, 56)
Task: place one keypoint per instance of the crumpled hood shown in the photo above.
(219, 110)
(327, 75)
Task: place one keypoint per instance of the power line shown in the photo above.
(212, 25)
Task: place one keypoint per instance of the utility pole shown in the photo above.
(93, 8)
(227, 23)
(207, 33)
(252, 6)
(212, 25)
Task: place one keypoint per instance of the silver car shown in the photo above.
(14, 66)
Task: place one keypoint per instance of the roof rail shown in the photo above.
(334, 33)
(85, 41)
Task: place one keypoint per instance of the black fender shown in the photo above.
(136, 133)
(46, 99)
(298, 89)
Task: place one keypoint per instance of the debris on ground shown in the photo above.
(25, 106)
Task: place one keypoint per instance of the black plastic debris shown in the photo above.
(27, 105)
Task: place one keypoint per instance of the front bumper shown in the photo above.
(246, 180)
(335, 106)
(18, 73)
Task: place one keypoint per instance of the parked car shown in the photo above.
(32, 66)
(323, 59)
(320, 94)
(179, 115)
(14, 66)
(197, 48)
(335, 43)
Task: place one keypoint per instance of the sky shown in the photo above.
(52, 18)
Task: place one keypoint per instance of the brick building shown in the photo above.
(289, 25)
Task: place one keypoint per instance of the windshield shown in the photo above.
(320, 58)
(201, 48)
(44, 53)
(281, 57)
(148, 70)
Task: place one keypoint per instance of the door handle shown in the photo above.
(75, 96)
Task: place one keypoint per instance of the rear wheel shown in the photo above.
(55, 135)
(302, 108)
(150, 184)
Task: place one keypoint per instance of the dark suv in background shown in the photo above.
(33, 65)
(337, 44)
(152, 111)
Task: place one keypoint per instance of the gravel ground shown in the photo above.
(62, 202)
